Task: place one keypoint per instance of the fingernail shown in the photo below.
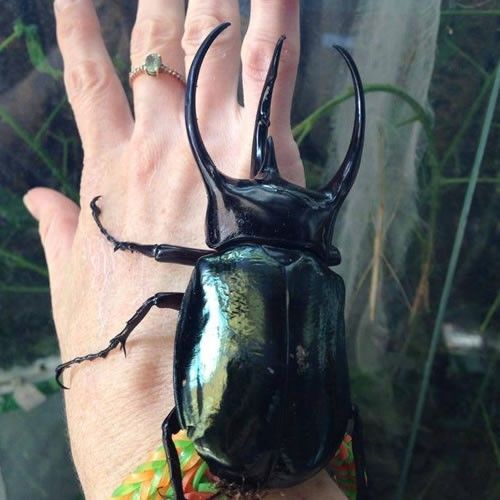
(29, 206)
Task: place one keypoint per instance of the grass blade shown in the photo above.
(302, 129)
(23, 289)
(457, 139)
(448, 282)
(26, 137)
(491, 434)
(23, 263)
(470, 12)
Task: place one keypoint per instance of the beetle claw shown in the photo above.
(93, 205)
(59, 372)
(120, 245)
(122, 347)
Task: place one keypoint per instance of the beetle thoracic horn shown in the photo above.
(343, 180)
(262, 120)
(205, 163)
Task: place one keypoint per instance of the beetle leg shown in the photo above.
(162, 300)
(359, 456)
(169, 427)
(160, 252)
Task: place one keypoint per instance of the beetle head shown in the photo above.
(266, 208)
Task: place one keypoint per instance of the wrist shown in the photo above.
(115, 408)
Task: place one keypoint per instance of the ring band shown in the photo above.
(153, 66)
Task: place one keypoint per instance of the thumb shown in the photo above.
(57, 216)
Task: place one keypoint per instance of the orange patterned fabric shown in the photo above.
(151, 480)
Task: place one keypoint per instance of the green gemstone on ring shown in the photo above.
(152, 64)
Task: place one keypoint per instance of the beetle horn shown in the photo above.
(269, 166)
(262, 120)
(205, 163)
(343, 180)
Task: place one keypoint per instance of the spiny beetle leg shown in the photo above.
(161, 252)
(362, 491)
(168, 300)
(169, 427)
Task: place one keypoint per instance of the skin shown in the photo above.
(152, 192)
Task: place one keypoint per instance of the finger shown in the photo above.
(57, 217)
(158, 29)
(269, 20)
(101, 110)
(218, 81)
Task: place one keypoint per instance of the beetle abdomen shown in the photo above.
(260, 370)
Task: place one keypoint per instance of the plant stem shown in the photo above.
(491, 434)
(302, 129)
(483, 387)
(491, 364)
(30, 141)
(12, 37)
(23, 289)
(470, 12)
(491, 312)
(443, 303)
(438, 470)
(450, 181)
(421, 294)
(465, 56)
(23, 263)
(467, 120)
(48, 121)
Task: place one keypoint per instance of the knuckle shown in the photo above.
(145, 157)
(153, 34)
(87, 81)
(256, 57)
(197, 27)
(72, 24)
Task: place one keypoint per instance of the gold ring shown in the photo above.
(153, 66)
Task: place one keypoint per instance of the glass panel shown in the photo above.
(395, 233)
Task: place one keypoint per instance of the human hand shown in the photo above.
(152, 192)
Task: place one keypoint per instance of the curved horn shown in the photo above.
(343, 180)
(205, 163)
(262, 120)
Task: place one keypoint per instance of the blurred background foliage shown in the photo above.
(457, 449)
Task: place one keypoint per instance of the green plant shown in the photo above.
(22, 268)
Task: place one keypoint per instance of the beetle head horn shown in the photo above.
(263, 159)
(341, 183)
(268, 167)
(263, 118)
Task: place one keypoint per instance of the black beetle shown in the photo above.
(261, 380)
